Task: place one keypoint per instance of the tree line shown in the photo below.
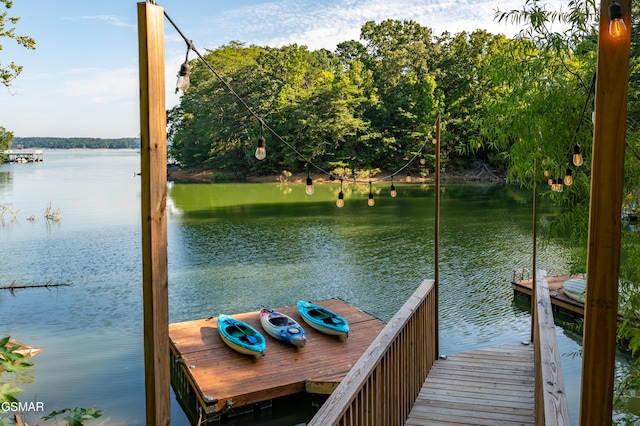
(75, 143)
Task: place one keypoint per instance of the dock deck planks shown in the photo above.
(482, 387)
(559, 300)
(224, 379)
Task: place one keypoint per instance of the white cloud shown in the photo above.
(99, 86)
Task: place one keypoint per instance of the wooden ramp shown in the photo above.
(482, 387)
(223, 380)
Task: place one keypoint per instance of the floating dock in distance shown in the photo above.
(560, 302)
(211, 380)
(24, 156)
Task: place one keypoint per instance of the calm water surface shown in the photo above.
(233, 247)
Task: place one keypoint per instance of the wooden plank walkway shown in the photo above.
(482, 387)
(223, 379)
(559, 300)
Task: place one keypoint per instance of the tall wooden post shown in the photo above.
(436, 267)
(603, 255)
(153, 173)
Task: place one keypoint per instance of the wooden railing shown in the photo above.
(382, 386)
(550, 397)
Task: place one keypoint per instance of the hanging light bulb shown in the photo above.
(183, 77)
(577, 156)
(340, 202)
(550, 181)
(554, 182)
(617, 27)
(423, 160)
(408, 178)
(309, 189)
(261, 150)
(568, 177)
(371, 201)
(393, 192)
(546, 172)
(559, 186)
(185, 70)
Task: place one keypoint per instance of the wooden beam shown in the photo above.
(153, 173)
(603, 255)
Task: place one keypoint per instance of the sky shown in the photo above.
(82, 79)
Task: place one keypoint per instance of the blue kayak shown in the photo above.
(323, 319)
(241, 337)
(282, 327)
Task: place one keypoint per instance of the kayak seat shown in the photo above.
(279, 321)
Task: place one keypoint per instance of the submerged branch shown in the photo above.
(15, 286)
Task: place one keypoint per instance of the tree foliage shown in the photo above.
(7, 30)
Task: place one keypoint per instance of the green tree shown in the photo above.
(545, 78)
(7, 30)
(401, 56)
(6, 138)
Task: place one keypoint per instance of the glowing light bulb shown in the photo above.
(568, 178)
(408, 178)
(617, 27)
(183, 77)
(423, 160)
(559, 185)
(577, 156)
(393, 193)
(371, 202)
(546, 173)
(309, 189)
(261, 150)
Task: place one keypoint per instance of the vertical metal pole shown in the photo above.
(605, 211)
(153, 173)
(534, 276)
(436, 267)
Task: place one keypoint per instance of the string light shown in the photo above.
(393, 192)
(340, 202)
(617, 27)
(183, 81)
(408, 178)
(371, 202)
(577, 156)
(568, 177)
(261, 150)
(309, 189)
(423, 160)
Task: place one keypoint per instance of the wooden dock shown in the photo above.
(210, 379)
(482, 387)
(23, 156)
(559, 301)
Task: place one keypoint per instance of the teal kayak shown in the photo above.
(323, 319)
(241, 337)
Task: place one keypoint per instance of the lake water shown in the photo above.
(233, 247)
